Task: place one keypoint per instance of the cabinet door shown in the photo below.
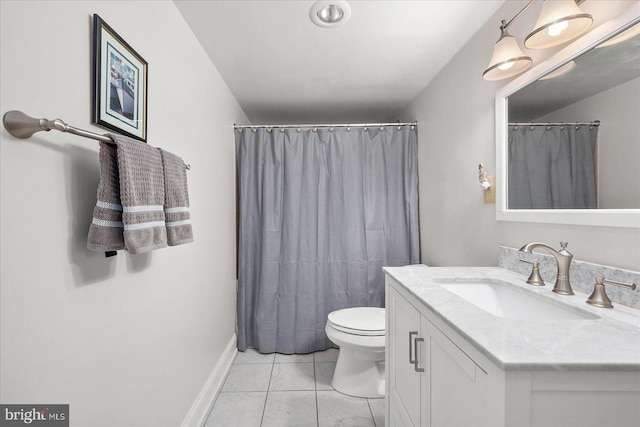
(457, 384)
(403, 378)
(395, 417)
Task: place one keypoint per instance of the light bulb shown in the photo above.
(556, 29)
(331, 13)
(506, 65)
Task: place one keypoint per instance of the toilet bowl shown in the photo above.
(360, 334)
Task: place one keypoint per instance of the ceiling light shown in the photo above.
(559, 22)
(330, 13)
(507, 59)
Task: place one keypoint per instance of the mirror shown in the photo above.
(568, 133)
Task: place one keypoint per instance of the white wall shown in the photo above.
(456, 132)
(618, 110)
(128, 340)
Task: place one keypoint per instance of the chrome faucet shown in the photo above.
(563, 259)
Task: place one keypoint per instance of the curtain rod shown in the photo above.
(593, 123)
(355, 125)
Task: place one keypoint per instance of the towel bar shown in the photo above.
(22, 126)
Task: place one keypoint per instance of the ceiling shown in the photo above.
(283, 69)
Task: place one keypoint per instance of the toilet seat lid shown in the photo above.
(359, 320)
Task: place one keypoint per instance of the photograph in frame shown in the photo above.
(120, 83)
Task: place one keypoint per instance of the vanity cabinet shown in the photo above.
(431, 381)
(405, 382)
(436, 376)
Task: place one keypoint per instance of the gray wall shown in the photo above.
(456, 131)
(132, 339)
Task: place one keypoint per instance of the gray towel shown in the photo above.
(129, 213)
(105, 232)
(141, 194)
(176, 200)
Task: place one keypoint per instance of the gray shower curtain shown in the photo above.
(552, 168)
(321, 212)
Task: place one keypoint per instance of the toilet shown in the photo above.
(360, 334)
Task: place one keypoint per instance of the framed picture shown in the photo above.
(119, 83)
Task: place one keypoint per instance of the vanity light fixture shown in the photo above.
(330, 13)
(508, 59)
(559, 22)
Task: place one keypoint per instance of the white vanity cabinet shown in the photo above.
(405, 383)
(430, 380)
(437, 376)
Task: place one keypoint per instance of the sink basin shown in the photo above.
(509, 302)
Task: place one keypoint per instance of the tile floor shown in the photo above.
(289, 390)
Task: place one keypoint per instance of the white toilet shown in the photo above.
(360, 334)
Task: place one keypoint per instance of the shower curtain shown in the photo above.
(321, 212)
(552, 167)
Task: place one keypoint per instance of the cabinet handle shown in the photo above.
(411, 350)
(417, 362)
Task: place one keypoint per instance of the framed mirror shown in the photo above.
(568, 133)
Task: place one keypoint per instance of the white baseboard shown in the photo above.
(199, 411)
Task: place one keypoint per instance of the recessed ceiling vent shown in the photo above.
(330, 13)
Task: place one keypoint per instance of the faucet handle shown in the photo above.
(599, 296)
(563, 248)
(534, 279)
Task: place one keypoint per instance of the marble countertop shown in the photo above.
(610, 342)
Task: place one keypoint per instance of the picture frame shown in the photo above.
(119, 83)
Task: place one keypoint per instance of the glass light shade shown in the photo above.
(560, 71)
(559, 22)
(625, 35)
(507, 61)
